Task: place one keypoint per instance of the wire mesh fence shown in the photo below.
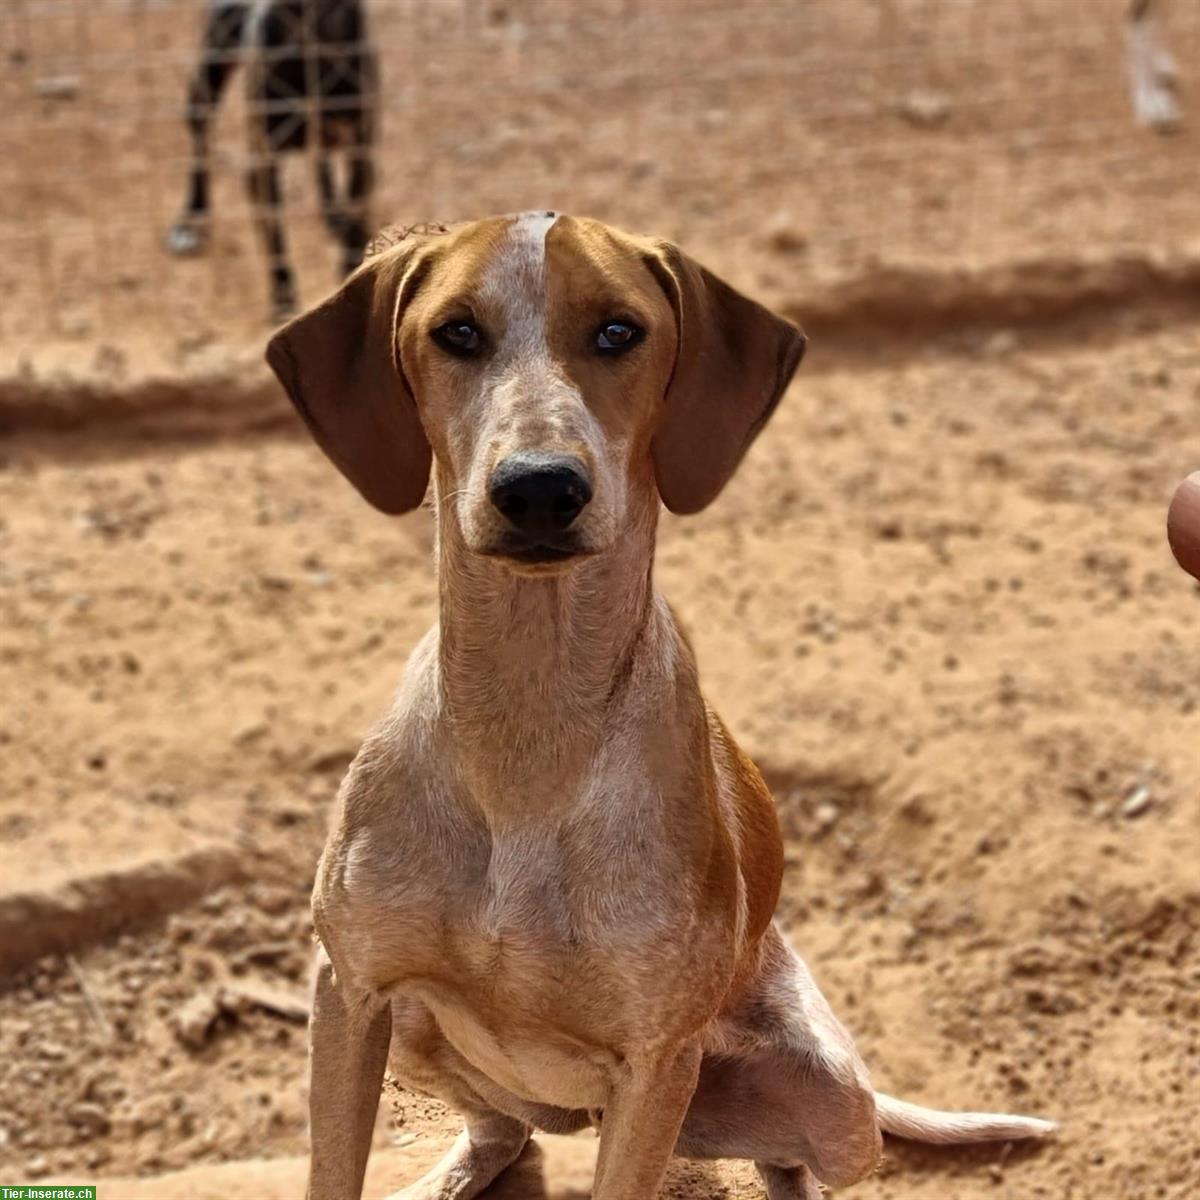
(789, 141)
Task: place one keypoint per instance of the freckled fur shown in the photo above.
(550, 880)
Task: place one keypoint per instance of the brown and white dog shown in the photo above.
(550, 882)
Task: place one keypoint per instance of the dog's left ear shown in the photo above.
(339, 365)
(734, 361)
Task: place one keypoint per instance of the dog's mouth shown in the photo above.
(542, 553)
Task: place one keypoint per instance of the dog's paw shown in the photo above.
(441, 1185)
(1158, 109)
(470, 1167)
(789, 1183)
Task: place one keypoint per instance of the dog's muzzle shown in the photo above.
(540, 497)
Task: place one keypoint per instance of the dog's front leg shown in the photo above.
(641, 1122)
(349, 1033)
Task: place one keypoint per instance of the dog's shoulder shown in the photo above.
(745, 795)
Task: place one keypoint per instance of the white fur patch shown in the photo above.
(527, 401)
(516, 282)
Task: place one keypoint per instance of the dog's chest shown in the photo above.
(515, 989)
(551, 926)
(522, 909)
(533, 976)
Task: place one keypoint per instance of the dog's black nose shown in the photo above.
(540, 494)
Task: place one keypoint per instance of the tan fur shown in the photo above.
(552, 872)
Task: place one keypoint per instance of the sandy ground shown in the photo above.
(936, 605)
(842, 134)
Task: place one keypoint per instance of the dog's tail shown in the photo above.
(918, 1124)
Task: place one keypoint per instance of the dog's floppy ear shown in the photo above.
(340, 366)
(733, 362)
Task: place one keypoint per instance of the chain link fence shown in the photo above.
(788, 142)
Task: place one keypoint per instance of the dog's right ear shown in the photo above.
(733, 362)
(340, 366)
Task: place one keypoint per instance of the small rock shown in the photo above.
(826, 815)
(57, 87)
(1137, 802)
(90, 1119)
(97, 1157)
(332, 760)
(241, 997)
(109, 360)
(783, 236)
(194, 1020)
(925, 108)
(75, 326)
(265, 953)
(253, 732)
(163, 796)
(1001, 343)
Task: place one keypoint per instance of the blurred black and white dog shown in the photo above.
(311, 84)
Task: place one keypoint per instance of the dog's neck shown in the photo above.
(529, 666)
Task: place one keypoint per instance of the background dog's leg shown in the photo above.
(262, 182)
(349, 1044)
(641, 1124)
(331, 210)
(788, 1183)
(221, 48)
(359, 185)
(347, 222)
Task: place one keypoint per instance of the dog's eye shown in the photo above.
(458, 337)
(613, 337)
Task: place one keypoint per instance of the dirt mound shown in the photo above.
(83, 910)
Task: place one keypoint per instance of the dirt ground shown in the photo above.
(793, 142)
(936, 605)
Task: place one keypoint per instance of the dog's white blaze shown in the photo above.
(524, 366)
(529, 401)
(516, 283)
